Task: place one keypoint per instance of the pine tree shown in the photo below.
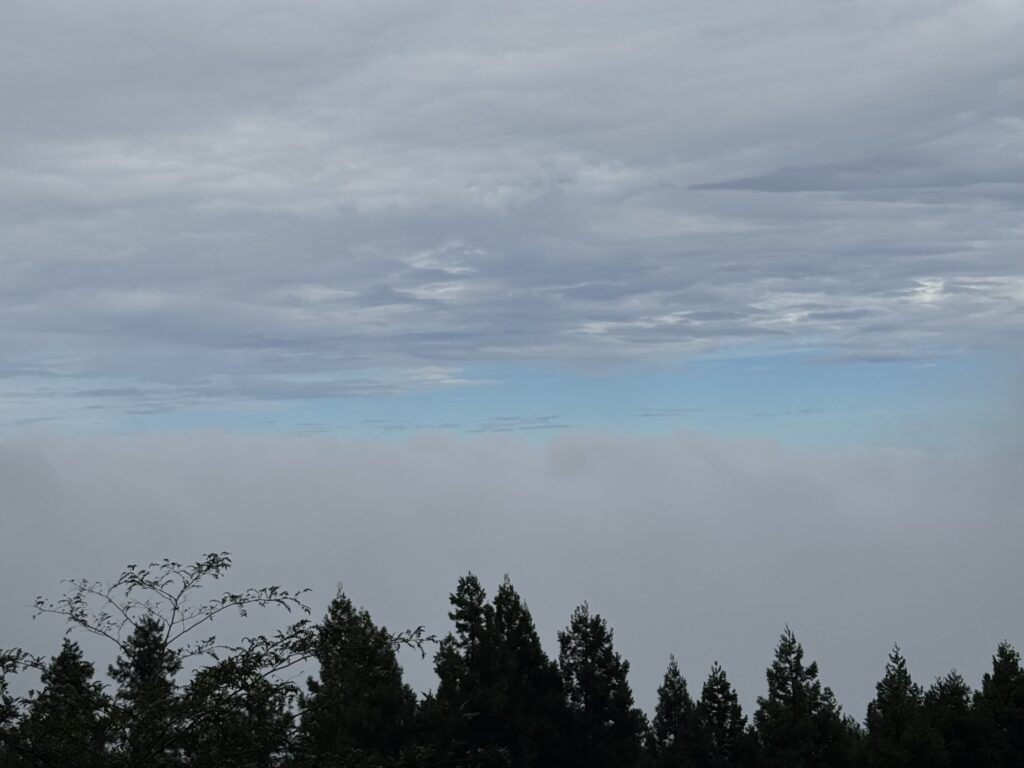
(1000, 704)
(721, 721)
(359, 712)
(461, 716)
(499, 697)
(146, 701)
(799, 723)
(949, 710)
(897, 734)
(606, 727)
(676, 739)
(527, 684)
(64, 725)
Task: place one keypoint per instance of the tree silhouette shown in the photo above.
(676, 738)
(897, 734)
(721, 721)
(799, 723)
(499, 696)
(1000, 704)
(64, 724)
(949, 710)
(605, 726)
(358, 712)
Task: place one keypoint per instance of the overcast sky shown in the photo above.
(760, 264)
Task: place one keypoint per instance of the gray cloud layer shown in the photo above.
(698, 547)
(240, 200)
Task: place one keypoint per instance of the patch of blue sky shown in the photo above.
(790, 400)
(794, 400)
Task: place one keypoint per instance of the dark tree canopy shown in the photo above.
(176, 696)
(949, 710)
(65, 723)
(1000, 704)
(898, 736)
(676, 738)
(171, 684)
(499, 696)
(722, 722)
(799, 722)
(358, 711)
(605, 727)
(144, 725)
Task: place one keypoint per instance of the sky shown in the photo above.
(636, 276)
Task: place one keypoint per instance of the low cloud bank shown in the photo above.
(700, 547)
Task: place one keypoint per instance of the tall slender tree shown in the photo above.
(358, 712)
(65, 724)
(460, 717)
(499, 696)
(676, 738)
(898, 735)
(1000, 704)
(146, 697)
(799, 723)
(606, 727)
(722, 722)
(526, 682)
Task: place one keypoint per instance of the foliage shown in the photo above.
(359, 711)
(178, 697)
(948, 709)
(499, 696)
(721, 721)
(676, 738)
(799, 722)
(898, 736)
(1000, 704)
(64, 723)
(153, 617)
(605, 726)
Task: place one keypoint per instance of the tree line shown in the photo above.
(177, 696)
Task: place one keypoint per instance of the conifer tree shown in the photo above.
(799, 723)
(606, 727)
(675, 734)
(460, 717)
(527, 684)
(359, 712)
(897, 734)
(949, 710)
(1000, 705)
(146, 698)
(721, 721)
(65, 724)
(499, 696)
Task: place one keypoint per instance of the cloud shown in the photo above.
(520, 423)
(699, 547)
(662, 413)
(216, 192)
